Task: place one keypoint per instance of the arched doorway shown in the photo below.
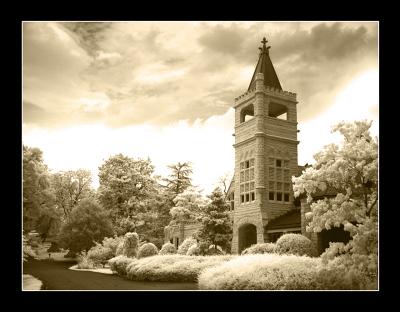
(247, 236)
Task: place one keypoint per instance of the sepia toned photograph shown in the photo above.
(200, 155)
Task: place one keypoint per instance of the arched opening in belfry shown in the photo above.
(247, 236)
(336, 234)
(277, 111)
(247, 113)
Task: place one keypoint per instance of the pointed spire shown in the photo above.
(264, 65)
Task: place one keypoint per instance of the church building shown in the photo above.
(261, 194)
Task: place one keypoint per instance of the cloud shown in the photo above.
(163, 72)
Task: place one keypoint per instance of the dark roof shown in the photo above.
(265, 66)
(290, 219)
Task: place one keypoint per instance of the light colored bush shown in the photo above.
(112, 243)
(259, 249)
(147, 250)
(295, 244)
(84, 262)
(129, 246)
(167, 249)
(99, 254)
(172, 268)
(193, 250)
(119, 264)
(267, 271)
(183, 248)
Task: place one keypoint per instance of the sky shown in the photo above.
(166, 90)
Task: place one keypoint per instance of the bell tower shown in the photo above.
(265, 154)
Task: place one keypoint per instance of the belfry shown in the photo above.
(261, 193)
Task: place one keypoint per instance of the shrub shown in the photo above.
(172, 268)
(100, 254)
(28, 252)
(119, 264)
(167, 249)
(84, 262)
(183, 248)
(295, 244)
(193, 250)
(147, 250)
(259, 249)
(267, 271)
(349, 271)
(54, 247)
(129, 246)
(112, 243)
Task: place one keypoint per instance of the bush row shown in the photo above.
(281, 272)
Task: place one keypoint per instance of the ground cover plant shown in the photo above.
(279, 272)
(172, 268)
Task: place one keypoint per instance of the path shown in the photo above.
(55, 275)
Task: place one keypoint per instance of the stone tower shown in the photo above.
(265, 155)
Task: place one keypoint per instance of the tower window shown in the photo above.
(247, 183)
(279, 196)
(279, 163)
(279, 173)
(247, 113)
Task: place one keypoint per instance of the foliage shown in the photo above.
(351, 169)
(70, 187)
(295, 244)
(129, 246)
(172, 268)
(84, 262)
(282, 272)
(193, 250)
(186, 244)
(112, 243)
(147, 250)
(27, 250)
(87, 223)
(119, 264)
(124, 183)
(39, 211)
(99, 254)
(216, 224)
(167, 249)
(259, 249)
(179, 179)
(187, 206)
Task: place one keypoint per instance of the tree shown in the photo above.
(187, 206)
(70, 187)
(38, 199)
(88, 223)
(216, 224)
(124, 183)
(224, 183)
(352, 171)
(179, 179)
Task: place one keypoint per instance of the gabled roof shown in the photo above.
(291, 219)
(265, 66)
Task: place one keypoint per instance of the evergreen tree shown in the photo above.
(179, 179)
(216, 224)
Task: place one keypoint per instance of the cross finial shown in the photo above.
(264, 41)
